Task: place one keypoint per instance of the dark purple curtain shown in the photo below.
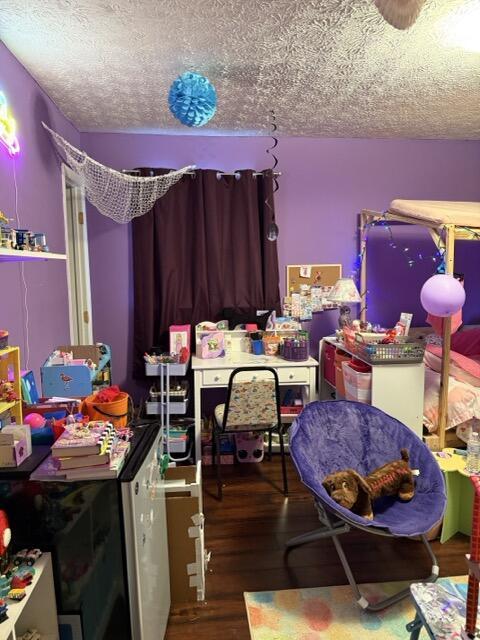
(202, 248)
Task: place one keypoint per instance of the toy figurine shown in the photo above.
(7, 392)
(3, 610)
(345, 318)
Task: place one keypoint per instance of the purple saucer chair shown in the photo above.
(336, 435)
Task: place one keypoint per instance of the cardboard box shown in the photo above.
(82, 351)
(451, 440)
(186, 549)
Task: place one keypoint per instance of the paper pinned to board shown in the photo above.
(192, 568)
(306, 271)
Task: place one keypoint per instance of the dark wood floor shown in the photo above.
(246, 534)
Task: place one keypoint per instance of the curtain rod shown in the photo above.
(220, 174)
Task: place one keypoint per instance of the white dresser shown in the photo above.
(397, 389)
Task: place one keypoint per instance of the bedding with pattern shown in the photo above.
(464, 383)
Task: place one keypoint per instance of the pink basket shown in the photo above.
(358, 385)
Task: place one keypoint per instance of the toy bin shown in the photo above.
(340, 357)
(329, 363)
(358, 382)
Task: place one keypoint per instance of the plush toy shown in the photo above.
(356, 492)
(5, 533)
(7, 392)
(249, 446)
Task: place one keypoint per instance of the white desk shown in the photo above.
(215, 373)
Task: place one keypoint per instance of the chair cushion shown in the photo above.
(220, 410)
(331, 436)
(253, 407)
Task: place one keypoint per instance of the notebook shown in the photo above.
(84, 440)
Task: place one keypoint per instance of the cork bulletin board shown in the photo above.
(321, 275)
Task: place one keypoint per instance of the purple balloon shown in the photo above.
(442, 295)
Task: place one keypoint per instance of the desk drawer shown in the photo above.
(216, 377)
(286, 375)
(294, 375)
(220, 377)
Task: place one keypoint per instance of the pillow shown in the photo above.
(461, 368)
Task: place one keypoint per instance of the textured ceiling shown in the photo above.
(327, 67)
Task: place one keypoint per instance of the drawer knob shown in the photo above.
(291, 376)
(254, 378)
(216, 379)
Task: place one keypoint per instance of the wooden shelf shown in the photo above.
(14, 255)
(5, 406)
(10, 370)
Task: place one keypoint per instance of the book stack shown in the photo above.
(86, 452)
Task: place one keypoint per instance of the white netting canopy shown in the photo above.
(115, 194)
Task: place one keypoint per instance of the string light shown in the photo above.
(411, 260)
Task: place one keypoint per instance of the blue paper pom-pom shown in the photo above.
(192, 99)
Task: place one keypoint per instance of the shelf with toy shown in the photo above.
(37, 609)
(16, 255)
(10, 383)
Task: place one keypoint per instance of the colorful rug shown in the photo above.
(330, 613)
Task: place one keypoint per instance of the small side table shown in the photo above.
(458, 514)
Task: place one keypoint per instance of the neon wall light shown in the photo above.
(8, 127)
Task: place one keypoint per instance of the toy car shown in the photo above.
(20, 557)
(32, 556)
(16, 594)
(27, 556)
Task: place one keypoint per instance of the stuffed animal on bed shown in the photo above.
(356, 492)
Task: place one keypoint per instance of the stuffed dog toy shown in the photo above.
(356, 492)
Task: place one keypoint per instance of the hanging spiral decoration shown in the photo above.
(272, 233)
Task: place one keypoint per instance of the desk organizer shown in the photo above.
(295, 349)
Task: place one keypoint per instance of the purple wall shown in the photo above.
(40, 208)
(325, 184)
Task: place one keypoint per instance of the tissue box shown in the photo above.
(13, 433)
(13, 455)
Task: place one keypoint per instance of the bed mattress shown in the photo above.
(437, 212)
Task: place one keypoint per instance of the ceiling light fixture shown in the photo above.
(401, 14)
(462, 28)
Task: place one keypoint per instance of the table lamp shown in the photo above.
(344, 293)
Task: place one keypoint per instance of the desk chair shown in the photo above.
(250, 406)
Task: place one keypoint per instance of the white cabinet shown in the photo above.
(37, 610)
(146, 543)
(397, 389)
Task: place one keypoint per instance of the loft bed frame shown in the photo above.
(449, 221)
